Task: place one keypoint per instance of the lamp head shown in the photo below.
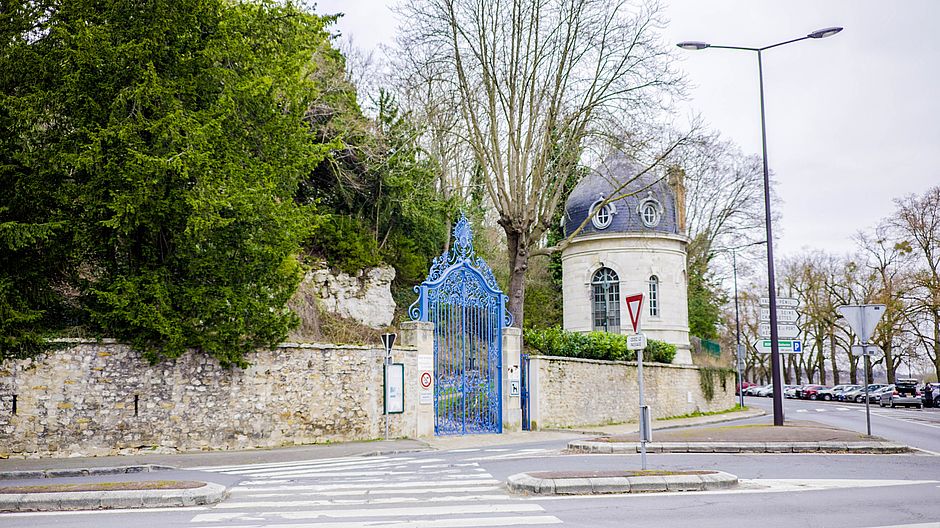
(825, 32)
(693, 45)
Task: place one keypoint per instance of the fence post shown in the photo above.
(512, 403)
(420, 334)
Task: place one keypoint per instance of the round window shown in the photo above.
(603, 217)
(650, 212)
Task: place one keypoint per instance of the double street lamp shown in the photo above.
(774, 346)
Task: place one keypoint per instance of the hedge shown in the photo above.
(593, 345)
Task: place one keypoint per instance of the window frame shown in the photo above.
(605, 295)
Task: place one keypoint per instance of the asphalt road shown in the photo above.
(463, 488)
(914, 427)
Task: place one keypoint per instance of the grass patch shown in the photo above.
(105, 486)
(696, 414)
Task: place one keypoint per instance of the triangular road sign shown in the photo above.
(634, 305)
(862, 318)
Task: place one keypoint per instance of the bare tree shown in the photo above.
(536, 82)
(918, 221)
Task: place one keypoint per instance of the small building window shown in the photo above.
(602, 215)
(654, 296)
(605, 287)
(650, 211)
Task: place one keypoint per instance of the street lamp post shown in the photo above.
(771, 286)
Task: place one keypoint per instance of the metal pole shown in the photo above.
(639, 375)
(776, 378)
(867, 366)
(737, 325)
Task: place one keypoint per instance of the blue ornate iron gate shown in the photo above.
(461, 297)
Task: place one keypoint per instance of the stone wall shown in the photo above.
(81, 400)
(570, 392)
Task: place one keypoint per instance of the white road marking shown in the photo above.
(935, 524)
(468, 522)
(428, 511)
(336, 487)
(99, 512)
(358, 502)
(321, 461)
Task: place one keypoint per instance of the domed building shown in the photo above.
(634, 244)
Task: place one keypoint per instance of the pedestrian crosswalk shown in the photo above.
(370, 491)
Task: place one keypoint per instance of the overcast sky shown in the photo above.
(853, 121)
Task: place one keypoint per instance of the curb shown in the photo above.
(80, 472)
(528, 484)
(663, 425)
(103, 500)
(876, 448)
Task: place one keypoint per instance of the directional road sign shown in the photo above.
(786, 346)
(862, 318)
(784, 331)
(784, 315)
(782, 302)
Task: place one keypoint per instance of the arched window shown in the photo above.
(602, 215)
(654, 296)
(605, 286)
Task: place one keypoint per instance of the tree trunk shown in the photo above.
(518, 264)
(936, 343)
(853, 370)
(832, 359)
(821, 358)
(889, 362)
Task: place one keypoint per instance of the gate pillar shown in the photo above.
(420, 334)
(512, 383)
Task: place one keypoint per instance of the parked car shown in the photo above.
(831, 394)
(858, 395)
(744, 386)
(766, 391)
(752, 390)
(840, 396)
(905, 393)
(875, 396)
(931, 395)
(811, 392)
(789, 391)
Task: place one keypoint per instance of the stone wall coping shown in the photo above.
(286, 344)
(609, 362)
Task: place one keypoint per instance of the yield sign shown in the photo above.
(863, 318)
(634, 303)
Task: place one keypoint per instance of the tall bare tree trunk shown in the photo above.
(832, 358)
(518, 264)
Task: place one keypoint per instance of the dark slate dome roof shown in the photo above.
(604, 181)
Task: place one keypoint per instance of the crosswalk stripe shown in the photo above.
(350, 493)
(326, 467)
(371, 473)
(359, 502)
(320, 461)
(427, 511)
(468, 522)
(325, 487)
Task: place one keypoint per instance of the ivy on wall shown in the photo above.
(708, 377)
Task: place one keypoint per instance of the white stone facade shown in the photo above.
(635, 257)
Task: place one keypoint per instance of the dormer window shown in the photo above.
(650, 211)
(602, 215)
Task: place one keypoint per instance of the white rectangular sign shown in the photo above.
(782, 302)
(636, 342)
(868, 350)
(784, 315)
(394, 388)
(784, 331)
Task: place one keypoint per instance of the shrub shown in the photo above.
(593, 345)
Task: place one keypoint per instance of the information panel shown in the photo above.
(395, 388)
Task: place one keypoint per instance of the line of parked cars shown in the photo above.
(904, 392)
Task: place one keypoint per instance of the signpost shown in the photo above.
(784, 315)
(784, 331)
(638, 342)
(786, 346)
(739, 359)
(862, 319)
(388, 341)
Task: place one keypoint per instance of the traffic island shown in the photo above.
(110, 495)
(795, 437)
(607, 482)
